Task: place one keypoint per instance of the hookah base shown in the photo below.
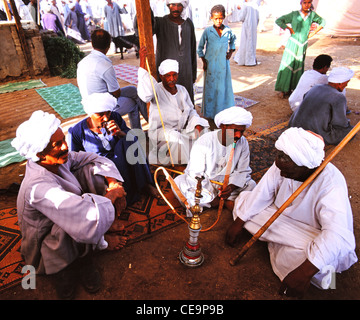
(190, 257)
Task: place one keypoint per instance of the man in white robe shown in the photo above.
(209, 158)
(177, 112)
(249, 15)
(313, 238)
(309, 79)
(66, 204)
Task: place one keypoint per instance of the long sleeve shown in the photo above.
(336, 240)
(201, 45)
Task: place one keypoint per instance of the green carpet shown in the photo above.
(8, 154)
(17, 86)
(65, 99)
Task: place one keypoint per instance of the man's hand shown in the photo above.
(114, 129)
(224, 194)
(204, 63)
(229, 54)
(296, 283)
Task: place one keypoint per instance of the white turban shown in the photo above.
(33, 135)
(340, 75)
(183, 2)
(99, 102)
(234, 115)
(303, 147)
(168, 65)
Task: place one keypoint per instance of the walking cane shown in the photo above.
(260, 232)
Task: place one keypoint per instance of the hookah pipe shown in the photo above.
(183, 198)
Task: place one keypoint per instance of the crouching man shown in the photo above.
(67, 204)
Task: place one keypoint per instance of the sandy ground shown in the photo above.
(151, 270)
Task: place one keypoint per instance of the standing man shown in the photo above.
(176, 40)
(96, 74)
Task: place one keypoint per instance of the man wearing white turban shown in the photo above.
(66, 204)
(313, 238)
(105, 133)
(210, 155)
(324, 108)
(181, 121)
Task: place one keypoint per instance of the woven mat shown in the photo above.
(127, 72)
(239, 100)
(142, 220)
(145, 218)
(18, 86)
(65, 99)
(8, 154)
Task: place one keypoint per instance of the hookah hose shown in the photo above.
(225, 184)
(176, 188)
(182, 197)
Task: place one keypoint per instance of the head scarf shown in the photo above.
(234, 115)
(168, 65)
(33, 135)
(340, 75)
(183, 2)
(303, 147)
(99, 102)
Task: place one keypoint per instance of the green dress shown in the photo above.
(293, 60)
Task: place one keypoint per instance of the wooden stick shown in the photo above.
(158, 106)
(260, 232)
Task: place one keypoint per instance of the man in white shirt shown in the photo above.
(313, 238)
(96, 74)
(310, 78)
(210, 156)
(181, 121)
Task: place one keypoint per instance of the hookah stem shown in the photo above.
(158, 106)
(226, 182)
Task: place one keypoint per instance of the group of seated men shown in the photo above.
(74, 189)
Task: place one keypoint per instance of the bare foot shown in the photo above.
(116, 226)
(234, 231)
(281, 95)
(115, 242)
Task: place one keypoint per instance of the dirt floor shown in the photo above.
(151, 269)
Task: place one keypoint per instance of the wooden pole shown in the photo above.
(260, 232)
(22, 38)
(143, 14)
(7, 11)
